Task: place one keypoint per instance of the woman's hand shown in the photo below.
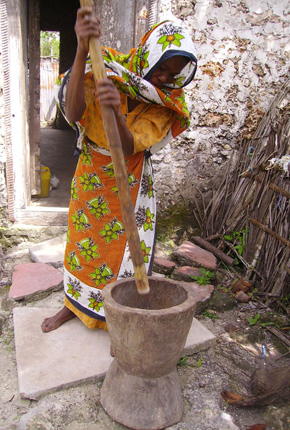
(86, 26)
(108, 95)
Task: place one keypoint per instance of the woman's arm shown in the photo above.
(106, 93)
(85, 27)
(75, 95)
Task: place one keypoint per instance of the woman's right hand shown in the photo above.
(86, 26)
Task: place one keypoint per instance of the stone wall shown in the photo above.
(243, 53)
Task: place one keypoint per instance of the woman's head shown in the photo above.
(166, 56)
(165, 74)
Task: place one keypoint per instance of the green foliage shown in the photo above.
(265, 324)
(199, 362)
(183, 361)
(175, 221)
(255, 320)
(238, 240)
(253, 292)
(224, 289)
(210, 315)
(49, 44)
(166, 240)
(205, 278)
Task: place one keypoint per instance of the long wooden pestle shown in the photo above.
(113, 137)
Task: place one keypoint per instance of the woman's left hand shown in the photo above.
(108, 95)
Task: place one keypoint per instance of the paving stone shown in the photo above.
(158, 275)
(31, 278)
(189, 254)
(49, 251)
(61, 358)
(72, 354)
(161, 265)
(184, 273)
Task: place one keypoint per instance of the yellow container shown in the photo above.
(45, 181)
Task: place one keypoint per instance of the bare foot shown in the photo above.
(56, 320)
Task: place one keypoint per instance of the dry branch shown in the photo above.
(273, 187)
(219, 254)
(255, 199)
(268, 230)
(280, 335)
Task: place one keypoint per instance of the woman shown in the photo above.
(145, 90)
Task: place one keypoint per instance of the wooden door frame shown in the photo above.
(27, 171)
(17, 36)
(34, 94)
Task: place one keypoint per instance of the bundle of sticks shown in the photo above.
(253, 199)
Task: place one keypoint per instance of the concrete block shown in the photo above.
(199, 338)
(70, 355)
(48, 362)
(49, 251)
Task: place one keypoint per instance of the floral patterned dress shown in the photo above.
(97, 251)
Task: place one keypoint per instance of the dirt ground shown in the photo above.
(239, 349)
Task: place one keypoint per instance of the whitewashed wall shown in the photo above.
(49, 71)
(243, 52)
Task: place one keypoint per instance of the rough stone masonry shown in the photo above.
(243, 59)
(243, 52)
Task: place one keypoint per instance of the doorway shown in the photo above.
(52, 144)
(56, 142)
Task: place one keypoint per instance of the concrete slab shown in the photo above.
(61, 358)
(49, 251)
(199, 338)
(72, 354)
(33, 278)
